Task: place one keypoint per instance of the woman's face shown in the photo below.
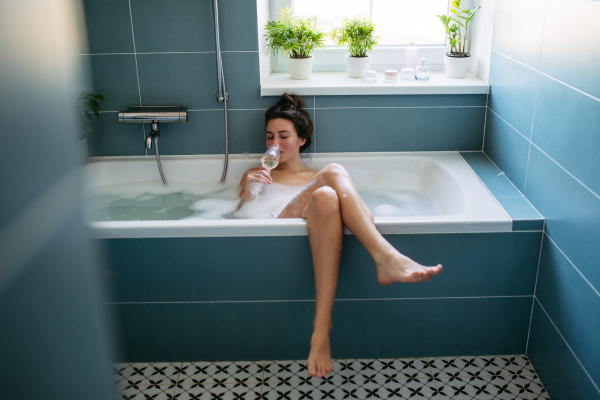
(282, 132)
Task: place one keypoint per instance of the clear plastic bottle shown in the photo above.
(411, 56)
(423, 73)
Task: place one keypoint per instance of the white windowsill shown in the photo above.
(338, 83)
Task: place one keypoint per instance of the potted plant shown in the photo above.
(456, 62)
(358, 34)
(88, 103)
(296, 37)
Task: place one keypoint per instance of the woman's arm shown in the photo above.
(253, 175)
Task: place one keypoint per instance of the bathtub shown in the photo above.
(465, 203)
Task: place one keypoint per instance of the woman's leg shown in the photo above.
(391, 265)
(325, 233)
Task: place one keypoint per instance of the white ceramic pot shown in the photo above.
(356, 65)
(300, 68)
(457, 67)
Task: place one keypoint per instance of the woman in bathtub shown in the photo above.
(328, 201)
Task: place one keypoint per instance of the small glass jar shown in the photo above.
(422, 72)
(390, 76)
(369, 76)
(408, 74)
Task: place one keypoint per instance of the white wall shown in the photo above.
(481, 38)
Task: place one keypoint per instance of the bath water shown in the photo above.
(393, 193)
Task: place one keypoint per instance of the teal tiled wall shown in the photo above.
(543, 130)
(160, 52)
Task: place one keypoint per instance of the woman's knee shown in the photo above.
(335, 170)
(324, 201)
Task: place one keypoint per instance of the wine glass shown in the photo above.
(270, 160)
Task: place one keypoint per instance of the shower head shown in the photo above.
(149, 114)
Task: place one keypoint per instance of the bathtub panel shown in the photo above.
(500, 264)
(280, 268)
(211, 269)
(362, 329)
(399, 129)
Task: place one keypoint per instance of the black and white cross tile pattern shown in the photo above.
(445, 378)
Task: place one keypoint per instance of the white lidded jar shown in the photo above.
(411, 56)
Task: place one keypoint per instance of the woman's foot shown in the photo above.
(394, 267)
(319, 360)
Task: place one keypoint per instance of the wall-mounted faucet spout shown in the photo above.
(153, 135)
(154, 115)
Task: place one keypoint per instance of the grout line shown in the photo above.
(571, 262)
(177, 380)
(515, 129)
(537, 85)
(511, 182)
(572, 352)
(137, 73)
(365, 107)
(238, 51)
(549, 76)
(102, 54)
(564, 169)
(311, 300)
(487, 98)
(535, 290)
(262, 380)
(176, 52)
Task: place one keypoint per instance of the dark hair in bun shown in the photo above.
(290, 107)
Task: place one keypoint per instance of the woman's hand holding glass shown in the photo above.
(256, 179)
(269, 161)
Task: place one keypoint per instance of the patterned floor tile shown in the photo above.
(145, 393)
(388, 368)
(274, 371)
(534, 387)
(483, 388)
(225, 372)
(404, 389)
(299, 390)
(457, 378)
(220, 392)
(447, 367)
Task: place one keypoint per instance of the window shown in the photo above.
(398, 22)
